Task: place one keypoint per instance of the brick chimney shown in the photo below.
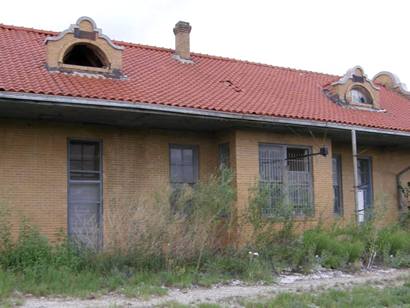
(181, 31)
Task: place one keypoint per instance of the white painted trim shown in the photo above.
(396, 82)
(72, 28)
(349, 75)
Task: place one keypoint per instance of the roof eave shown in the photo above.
(160, 108)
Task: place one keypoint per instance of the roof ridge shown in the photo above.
(165, 49)
(263, 64)
(139, 45)
(39, 31)
(230, 59)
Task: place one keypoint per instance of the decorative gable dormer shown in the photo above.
(392, 82)
(84, 48)
(355, 90)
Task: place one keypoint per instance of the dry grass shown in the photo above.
(196, 221)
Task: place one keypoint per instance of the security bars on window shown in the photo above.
(285, 173)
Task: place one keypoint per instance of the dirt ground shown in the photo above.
(229, 295)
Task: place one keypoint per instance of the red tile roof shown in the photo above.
(212, 83)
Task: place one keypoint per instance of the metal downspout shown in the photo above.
(356, 176)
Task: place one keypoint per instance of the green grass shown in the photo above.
(357, 297)
(82, 284)
(33, 265)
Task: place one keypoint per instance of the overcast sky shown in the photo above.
(320, 35)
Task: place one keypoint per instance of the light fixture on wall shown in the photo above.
(324, 151)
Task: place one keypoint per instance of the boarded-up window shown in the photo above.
(285, 172)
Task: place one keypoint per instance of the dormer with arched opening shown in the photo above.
(84, 48)
(355, 90)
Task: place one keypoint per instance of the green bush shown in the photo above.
(393, 240)
(5, 227)
(333, 250)
(394, 246)
(232, 264)
(405, 220)
(31, 249)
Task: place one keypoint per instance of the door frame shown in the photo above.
(100, 216)
(370, 190)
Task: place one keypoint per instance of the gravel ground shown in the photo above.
(228, 295)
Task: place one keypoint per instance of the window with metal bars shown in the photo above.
(286, 176)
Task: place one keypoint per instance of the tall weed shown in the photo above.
(188, 240)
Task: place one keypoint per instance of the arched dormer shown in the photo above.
(392, 82)
(83, 48)
(85, 55)
(355, 90)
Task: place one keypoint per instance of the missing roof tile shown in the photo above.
(231, 85)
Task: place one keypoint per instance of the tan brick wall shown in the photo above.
(386, 163)
(33, 166)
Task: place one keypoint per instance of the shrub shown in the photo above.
(31, 249)
(364, 237)
(393, 240)
(169, 229)
(276, 238)
(334, 250)
(5, 227)
(231, 263)
(210, 217)
(154, 243)
(394, 246)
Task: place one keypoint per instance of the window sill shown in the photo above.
(367, 107)
(279, 218)
(73, 67)
(86, 71)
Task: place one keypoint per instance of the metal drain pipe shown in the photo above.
(355, 174)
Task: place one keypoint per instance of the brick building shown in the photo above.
(84, 120)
